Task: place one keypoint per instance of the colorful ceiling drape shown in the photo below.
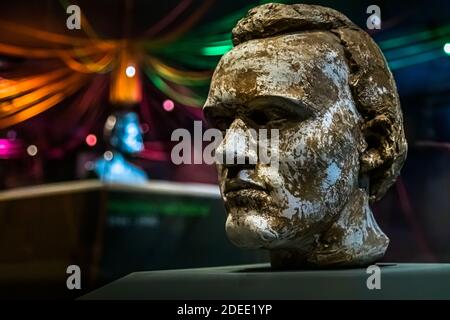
(73, 63)
(175, 60)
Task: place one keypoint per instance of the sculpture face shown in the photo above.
(297, 84)
(310, 73)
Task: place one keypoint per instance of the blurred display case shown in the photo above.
(109, 230)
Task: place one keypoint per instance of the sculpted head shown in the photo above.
(323, 84)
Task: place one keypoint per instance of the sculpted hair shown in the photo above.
(371, 82)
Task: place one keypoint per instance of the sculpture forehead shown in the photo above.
(298, 66)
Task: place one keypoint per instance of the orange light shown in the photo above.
(126, 83)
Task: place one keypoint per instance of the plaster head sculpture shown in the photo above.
(323, 83)
(124, 134)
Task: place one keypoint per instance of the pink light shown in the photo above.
(168, 105)
(91, 140)
(10, 149)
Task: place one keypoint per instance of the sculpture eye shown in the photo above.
(259, 117)
(220, 122)
(277, 114)
(218, 118)
(268, 115)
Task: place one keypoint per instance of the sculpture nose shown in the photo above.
(239, 146)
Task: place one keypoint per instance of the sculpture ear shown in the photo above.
(375, 95)
(380, 148)
(384, 155)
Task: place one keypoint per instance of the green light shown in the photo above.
(415, 59)
(192, 100)
(154, 207)
(418, 48)
(447, 48)
(216, 50)
(414, 38)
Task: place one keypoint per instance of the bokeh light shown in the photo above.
(130, 71)
(108, 155)
(145, 127)
(89, 165)
(110, 122)
(168, 105)
(11, 134)
(32, 150)
(91, 140)
(447, 48)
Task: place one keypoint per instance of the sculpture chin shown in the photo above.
(252, 230)
(352, 238)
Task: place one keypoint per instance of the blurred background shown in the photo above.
(86, 118)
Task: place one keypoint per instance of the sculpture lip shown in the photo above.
(237, 184)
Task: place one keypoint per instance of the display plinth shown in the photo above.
(258, 281)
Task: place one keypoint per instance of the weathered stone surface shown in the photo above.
(310, 73)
